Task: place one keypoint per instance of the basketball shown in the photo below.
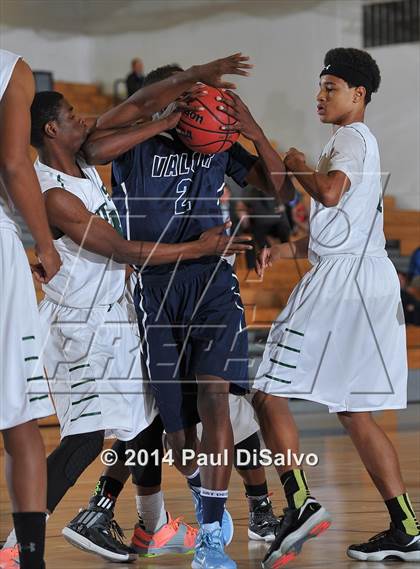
(201, 130)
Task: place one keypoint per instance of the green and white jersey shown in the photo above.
(355, 225)
(85, 279)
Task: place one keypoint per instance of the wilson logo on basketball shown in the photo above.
(194, 116)
(184, 133)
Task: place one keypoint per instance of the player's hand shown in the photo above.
(212, 73)
(215, 242)
(188, 100)
(245, 123)
(172, 120)
(294, 160)
(265, 259)
(49, 264)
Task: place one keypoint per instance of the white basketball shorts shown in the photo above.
(341, 338)
(24, 393)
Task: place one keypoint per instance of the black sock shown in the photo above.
(256, 491)
(295, 488)
(402, 514)
(106, 493)
(30, 536)
(256, 494)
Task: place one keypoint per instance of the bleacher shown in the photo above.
(87, 99)
(265, 298)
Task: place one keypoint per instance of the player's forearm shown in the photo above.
(104, 149)
(273, 170)
(149, 100)
(22, 186)
(317, 185)
(144, 252)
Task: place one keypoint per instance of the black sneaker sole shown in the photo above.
(88, 546)
(293, 543)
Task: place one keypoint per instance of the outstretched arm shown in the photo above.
(17, 174)
(153, 98)
(68, 215)
(269, 173)
(104, 146)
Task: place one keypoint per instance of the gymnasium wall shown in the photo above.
(69, 57)
(286, 41)
(287, 49)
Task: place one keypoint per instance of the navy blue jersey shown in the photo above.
(165, 192)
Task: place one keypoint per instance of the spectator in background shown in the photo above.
(298, 210)
(414, 268)
(135, 80)
(410, 303)
(269, 220)
(413, 287)
(264, 218)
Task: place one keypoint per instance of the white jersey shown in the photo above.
(85, 279)
(8, 62)
(340, 340)
(355, 225)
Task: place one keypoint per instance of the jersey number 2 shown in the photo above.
(182, 205)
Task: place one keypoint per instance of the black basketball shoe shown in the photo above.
(296, 527)
(389, 544)
(262, 521)
(95, 531)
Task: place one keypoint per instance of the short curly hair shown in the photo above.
(358, 59)
(161, 73)
(44, 109)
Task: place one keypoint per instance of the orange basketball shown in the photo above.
(201, 130)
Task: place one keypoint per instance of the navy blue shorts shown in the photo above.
(191, 325)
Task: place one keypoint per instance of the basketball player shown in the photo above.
(22, 381)
(90, 283)
(190, 314)
(340, 340)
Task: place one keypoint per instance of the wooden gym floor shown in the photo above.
(339, 481)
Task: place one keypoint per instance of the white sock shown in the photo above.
(11, 540)
(151, 510)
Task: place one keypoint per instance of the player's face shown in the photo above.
(72, 128)
(335, 99)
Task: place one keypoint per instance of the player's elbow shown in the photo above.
(12, 166)
(93, 153)
(330, 197)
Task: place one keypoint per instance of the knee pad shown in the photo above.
(81, 451)
(120, 447)
(67, 462)
(150, 440)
